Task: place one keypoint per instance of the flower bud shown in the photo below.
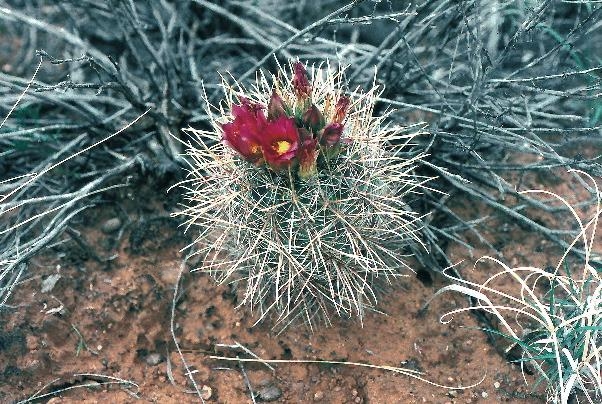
(313, 119)
(304, 134)
(340, 110)
(300, 82)
(308, 157)
(276, 107)
(331, 135)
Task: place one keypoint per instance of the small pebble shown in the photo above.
(358, 400)
(111, 225)
(496, 385)
(49, 283)
(318, 396)
(93, 385)
(206, 392)
(453, 393)
(484, 394)
(153, 359)
(270, 393)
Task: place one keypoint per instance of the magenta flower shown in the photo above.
(280, 142)
(244, 133)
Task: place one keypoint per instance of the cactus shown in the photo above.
(305, 203)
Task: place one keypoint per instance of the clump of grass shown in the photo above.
(562, 328)
(305, 242)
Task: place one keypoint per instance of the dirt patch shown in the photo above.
(100, 332)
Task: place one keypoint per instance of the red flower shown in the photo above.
(244, 133)
(280, 141)
(341, 109)
(308, 156)
(331, 135)
(250, 106)
(300, 82)
(276, 106)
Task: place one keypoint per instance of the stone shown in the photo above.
(111, 225)
(93, 385)
(153, 359)
(206, 392)
(269, 393)
(49, 283)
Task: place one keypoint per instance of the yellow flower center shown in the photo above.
(281, 146)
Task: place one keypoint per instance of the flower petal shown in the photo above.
(280, 142)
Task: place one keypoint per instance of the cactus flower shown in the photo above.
(304, 135)
(244, 133)
(280, 142)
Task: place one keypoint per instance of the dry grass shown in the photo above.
(559, 331)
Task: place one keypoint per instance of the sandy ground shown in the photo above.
(100, 331)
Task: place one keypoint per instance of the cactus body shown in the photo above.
(302, 241)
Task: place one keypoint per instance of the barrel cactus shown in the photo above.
(300, 196)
